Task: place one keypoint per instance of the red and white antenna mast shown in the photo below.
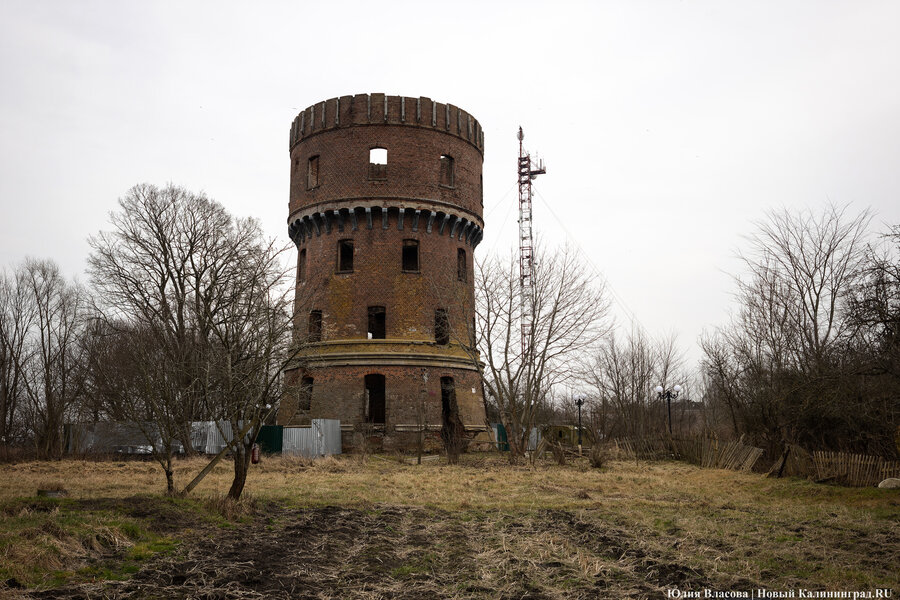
(526, 242)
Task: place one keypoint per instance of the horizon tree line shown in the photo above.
(190, 311)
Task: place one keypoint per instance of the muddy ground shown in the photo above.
(407, 553)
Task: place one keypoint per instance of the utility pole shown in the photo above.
(579, 402)
(527, 172)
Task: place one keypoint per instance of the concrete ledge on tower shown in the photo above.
(385, 353)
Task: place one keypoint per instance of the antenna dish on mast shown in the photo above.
(521, 135)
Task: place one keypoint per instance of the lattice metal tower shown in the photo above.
(526, 242)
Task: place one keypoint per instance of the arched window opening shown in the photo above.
(448, 397)
(374, 408)
(345, 256)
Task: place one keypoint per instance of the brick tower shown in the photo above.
(386, 211)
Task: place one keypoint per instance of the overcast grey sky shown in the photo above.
(667, 127)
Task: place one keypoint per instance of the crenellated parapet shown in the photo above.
(381, 109)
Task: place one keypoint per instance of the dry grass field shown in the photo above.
(342, 528)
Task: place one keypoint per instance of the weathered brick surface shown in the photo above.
(377, 216)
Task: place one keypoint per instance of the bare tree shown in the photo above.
(53, 373)
(567, 310)
(808, 263)
(130, 376)
(16, 317)
(874, 308)
(624, 371)
(154, 269)
(209, 296)
(785, 367)
(249, 312)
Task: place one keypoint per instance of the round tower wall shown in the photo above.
(419, 198)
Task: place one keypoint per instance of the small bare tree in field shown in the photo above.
(209, 297)
(568, 312)
(130, 376)
(250, 317)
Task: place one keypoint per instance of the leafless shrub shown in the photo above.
(598, 456)
(362, 441)
(559, 453)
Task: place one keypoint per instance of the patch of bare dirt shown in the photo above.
(406, 553)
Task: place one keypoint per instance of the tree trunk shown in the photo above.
(170, 477)
(187, 444)
(241, 464)
(170, 483)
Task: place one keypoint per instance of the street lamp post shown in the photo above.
(579, 402)
(669, 395)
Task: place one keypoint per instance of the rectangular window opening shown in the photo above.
(376, 329)
(448, 174)
(441, 327)
(411, 255)
(345, 256)
(315, 326)
(378, 163)
(305, 395)
(461, 268)
(301, 266)
(312, 172)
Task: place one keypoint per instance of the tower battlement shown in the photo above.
(380, 109)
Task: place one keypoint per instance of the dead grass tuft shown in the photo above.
(52, 486)
(330, 464)
(230, 509)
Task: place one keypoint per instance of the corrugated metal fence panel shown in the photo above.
(207, 436)
(534, 438)
(210, 437)
(322, 438)
(331, 436)
(298, 440)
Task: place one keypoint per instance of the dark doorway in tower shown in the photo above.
(448, 399)
(375, 398)
(452, 429)
(376, 329)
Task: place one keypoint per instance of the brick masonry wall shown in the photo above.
(339, 393)
(412, 173)
(412, 182)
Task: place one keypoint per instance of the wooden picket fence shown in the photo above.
(857, 470)
(707, 452)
